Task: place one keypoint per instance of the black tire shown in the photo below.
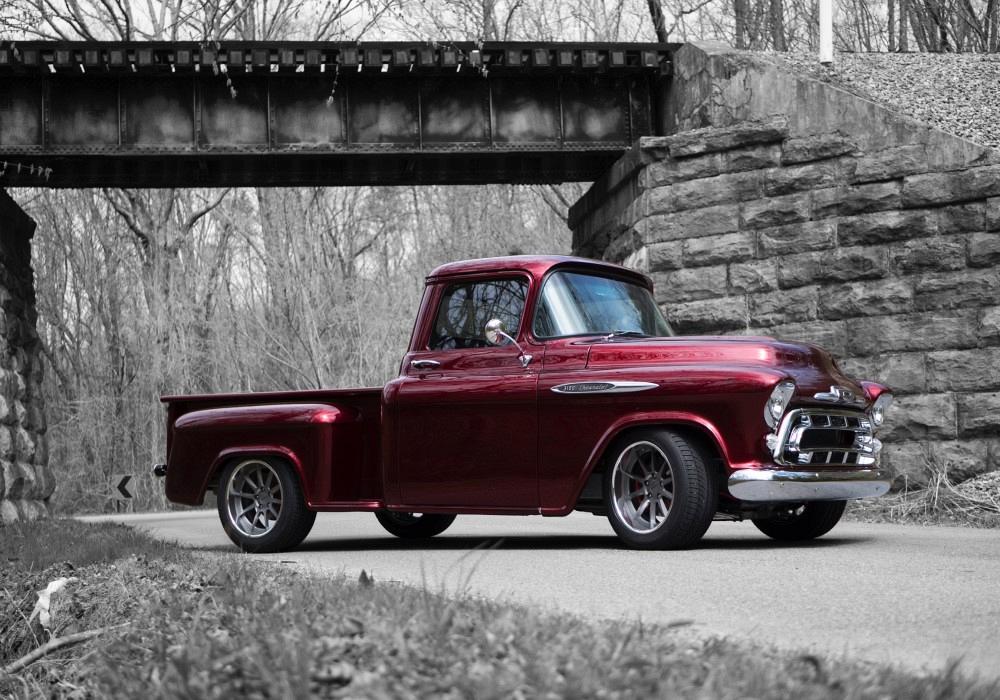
(287, 520)
(685, 495)
(412, 526)
(807, 522)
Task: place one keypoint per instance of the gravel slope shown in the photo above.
(957, 93)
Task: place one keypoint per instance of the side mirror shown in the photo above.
(495, 334)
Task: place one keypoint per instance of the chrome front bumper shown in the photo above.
(786, 485)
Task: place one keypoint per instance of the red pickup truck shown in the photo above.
(543, 385)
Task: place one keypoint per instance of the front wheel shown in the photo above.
(659, 490)
(805, 522)
(414, 525)
(261, 505)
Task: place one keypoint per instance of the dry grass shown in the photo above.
(233, 627)
(974, 503)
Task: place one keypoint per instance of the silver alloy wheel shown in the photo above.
(643, 484)
(253, 498)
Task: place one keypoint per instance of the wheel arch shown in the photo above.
(697, 429)
(229, 455)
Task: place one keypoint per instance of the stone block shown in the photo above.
(785, 306)
(776, 211)
(708, 316)
(959, 459)
(891, 163)
(712, 250)
(751, 158)
(669, 171)
(921, 417)
(955, 186)
(713, 139)
(819, 147)
(690, 284)
(928, 255)
(929, 330)
(962, 218)
(24, 446)
(909, 464)
(8, 512)
(830, 335)
(849, 200)
(796, 238)
(984, 249)
(812, 176)
(993, 214)
(964, 370)
(13, 480)
(878, 298)
(979, 414)
(840, 265)
(989, 324)
(6, 443)
(665, 256)
(952, 290)
(904, 373)
(723, 218)
(753, 277)
(886, 227)
(698, 194)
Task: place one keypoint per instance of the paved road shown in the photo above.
(913, 596)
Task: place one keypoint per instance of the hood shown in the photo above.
(813, 368)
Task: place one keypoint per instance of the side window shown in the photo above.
(466, 307)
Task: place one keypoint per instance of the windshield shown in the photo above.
(574, 303)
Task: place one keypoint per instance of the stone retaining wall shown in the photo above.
(881, 256)
(25, 480)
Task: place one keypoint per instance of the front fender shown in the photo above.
(203, 441)
(637, 420)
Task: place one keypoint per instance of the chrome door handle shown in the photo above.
(424, 364)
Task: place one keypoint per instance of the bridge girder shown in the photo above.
(244, 113)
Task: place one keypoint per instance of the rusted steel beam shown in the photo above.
(174, 114)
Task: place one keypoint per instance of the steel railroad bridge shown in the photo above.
(182, 114)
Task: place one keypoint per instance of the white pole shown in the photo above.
(826, 31)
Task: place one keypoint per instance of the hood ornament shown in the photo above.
(838, 394)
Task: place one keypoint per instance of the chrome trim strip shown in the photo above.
(597, 386)
(832, 485)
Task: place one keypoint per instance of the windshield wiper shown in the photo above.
(627, 334)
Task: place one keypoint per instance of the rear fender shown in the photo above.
(302, 434)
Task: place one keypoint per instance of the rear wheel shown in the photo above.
(659, 490)
(414, 525)
(261, 505)
(805, 522)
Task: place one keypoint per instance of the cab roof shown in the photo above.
(535, 265)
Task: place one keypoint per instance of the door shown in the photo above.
(466, 412)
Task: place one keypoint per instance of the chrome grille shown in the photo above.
(825, 438)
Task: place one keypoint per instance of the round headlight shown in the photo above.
(778, 402)
(878, 409)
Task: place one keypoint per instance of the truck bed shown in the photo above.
(339, 459)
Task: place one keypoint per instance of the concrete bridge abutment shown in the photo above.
(25, 480)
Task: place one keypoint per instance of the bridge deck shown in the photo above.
(180, 114)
